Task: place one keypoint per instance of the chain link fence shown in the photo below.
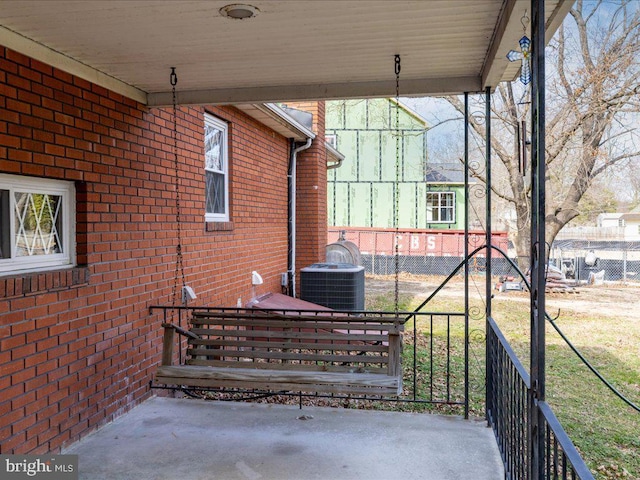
(597, 261)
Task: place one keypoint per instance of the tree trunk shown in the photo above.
(522, 237)
(522, 242)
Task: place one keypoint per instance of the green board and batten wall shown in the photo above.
(361, 192)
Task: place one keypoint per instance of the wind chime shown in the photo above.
(524, 55)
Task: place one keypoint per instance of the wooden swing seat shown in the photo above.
(355, 355)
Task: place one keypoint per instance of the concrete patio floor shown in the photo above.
(184, 439)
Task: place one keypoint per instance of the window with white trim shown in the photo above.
(216, 166)
(441, 207)
(37, 224)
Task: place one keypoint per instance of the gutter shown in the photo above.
(335, 156)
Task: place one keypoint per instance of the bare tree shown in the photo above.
(593, 100)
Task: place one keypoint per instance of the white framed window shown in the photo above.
(441, 207)
(216, 166)
(37, 224)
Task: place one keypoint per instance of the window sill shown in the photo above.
(38, 282)
(218, 226)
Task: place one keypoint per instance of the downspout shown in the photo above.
(291, 230)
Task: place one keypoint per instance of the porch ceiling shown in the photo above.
(293, 49)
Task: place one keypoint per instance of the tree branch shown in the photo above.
(576, 13)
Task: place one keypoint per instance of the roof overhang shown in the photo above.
(512, 25)
(292, 50)
(278, 120)
(411, 112)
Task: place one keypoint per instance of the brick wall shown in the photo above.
(311, 215)
(79, 346)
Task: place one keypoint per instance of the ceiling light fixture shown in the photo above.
(239, 11)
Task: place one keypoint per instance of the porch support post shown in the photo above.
(466, 255)
(488, 291)
(538, 245)
(487, 117)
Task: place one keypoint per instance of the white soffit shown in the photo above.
(48, 56)
(292, 50)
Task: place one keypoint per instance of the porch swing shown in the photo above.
(262, 351)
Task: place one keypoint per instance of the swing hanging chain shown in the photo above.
(173, 79)
(396, 209)
(179, 273)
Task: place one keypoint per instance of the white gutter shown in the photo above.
(335, 154)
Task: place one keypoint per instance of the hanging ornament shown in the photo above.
(524, 54)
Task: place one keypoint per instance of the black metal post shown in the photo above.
(180, 340)
(466, 255)
(488, 198)
(538, 245)
(488, 250)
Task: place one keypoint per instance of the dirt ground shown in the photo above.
(612, 300)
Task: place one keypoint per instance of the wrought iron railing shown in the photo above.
(508, 407)
(562, 460)
(434, 354)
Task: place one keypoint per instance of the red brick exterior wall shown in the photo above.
(79, 346)
(311, 215)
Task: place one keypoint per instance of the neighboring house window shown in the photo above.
(37, 224)
(216, 169)
(441, 207)
(621, 222)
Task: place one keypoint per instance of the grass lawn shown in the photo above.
(603, 428)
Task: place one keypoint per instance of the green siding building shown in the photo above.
(361, 192)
